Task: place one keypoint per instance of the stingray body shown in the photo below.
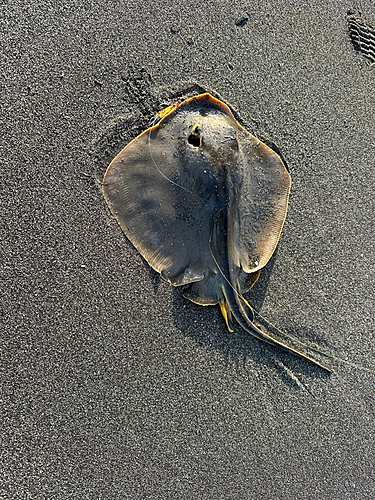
(204, 202)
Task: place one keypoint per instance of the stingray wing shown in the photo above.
(160, 212)
(166, 185)
(262, 203)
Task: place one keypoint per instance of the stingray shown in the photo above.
(204, 202)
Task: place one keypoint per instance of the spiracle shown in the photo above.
(362, 36)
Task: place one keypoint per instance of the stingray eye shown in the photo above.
(194, 138)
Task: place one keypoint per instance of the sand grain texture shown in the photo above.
(112, 385)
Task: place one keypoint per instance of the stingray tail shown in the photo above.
(236, 306)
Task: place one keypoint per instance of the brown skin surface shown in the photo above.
(204, 202)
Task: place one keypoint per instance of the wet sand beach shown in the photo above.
(113, 385)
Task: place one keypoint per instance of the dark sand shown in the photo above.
(113, 386)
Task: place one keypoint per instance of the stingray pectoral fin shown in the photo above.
(262, 203)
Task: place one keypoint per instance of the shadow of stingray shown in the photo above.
(205, 325)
